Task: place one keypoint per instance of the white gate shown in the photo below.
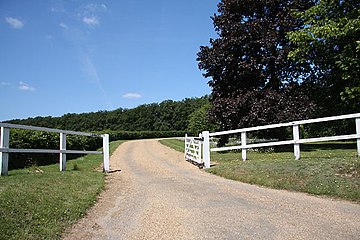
(193, 149)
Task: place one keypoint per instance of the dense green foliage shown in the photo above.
(329, 46)
(45, 140)
(165, 116)
(41, 202)
(253, 82)
(199, 121)
(277, 61)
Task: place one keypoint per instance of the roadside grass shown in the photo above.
(175, 144)
(41, 202)
(329, 169)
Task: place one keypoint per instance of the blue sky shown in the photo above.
(73, 56)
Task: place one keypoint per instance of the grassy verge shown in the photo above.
(324, 169)
(40, 202)
(174, 144)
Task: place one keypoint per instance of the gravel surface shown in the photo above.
(158, 195)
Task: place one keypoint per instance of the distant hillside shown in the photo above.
(165, 116)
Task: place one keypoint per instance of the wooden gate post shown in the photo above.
(4, 156)
(62, 153)
(296, 136)
(206, 149)
(106, 154)
(357, 123)
(243, 145)
(185, 149)
(200, 148)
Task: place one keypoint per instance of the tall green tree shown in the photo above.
(253, 82)
(199, 121)
(329, 43)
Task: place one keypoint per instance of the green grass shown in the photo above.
(330, 169)
(174, 144)
(41, 202)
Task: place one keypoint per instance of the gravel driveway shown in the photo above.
(158, 195)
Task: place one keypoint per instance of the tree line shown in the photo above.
(168, 115)
(166, 119)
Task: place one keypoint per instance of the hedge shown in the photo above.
(44, 140)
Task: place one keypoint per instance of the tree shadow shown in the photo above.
(328, 146)
(310, 147)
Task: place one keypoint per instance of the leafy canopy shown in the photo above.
(329, 44)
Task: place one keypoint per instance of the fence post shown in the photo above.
(4, 156)
(185, 141)
(206, 149)
(200, 149)
(357, 123)
(106, 154)
(62, 154)
(243, 144)
(296, 137)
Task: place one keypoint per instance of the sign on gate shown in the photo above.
(193, 150)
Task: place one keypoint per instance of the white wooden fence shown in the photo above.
(62, 151)
(296, 141)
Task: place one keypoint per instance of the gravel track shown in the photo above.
(158, 195)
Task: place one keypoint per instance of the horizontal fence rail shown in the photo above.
(62, 151)
(296, 141)
(45, 129)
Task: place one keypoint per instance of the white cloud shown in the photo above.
(14, 23)
(94, 7)
(92, 21)
(90, 13)
(25, 87)
(104, 7)
(132, 95)
(63, 25)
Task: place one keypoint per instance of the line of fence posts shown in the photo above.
(296, 141)
(62, 151)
